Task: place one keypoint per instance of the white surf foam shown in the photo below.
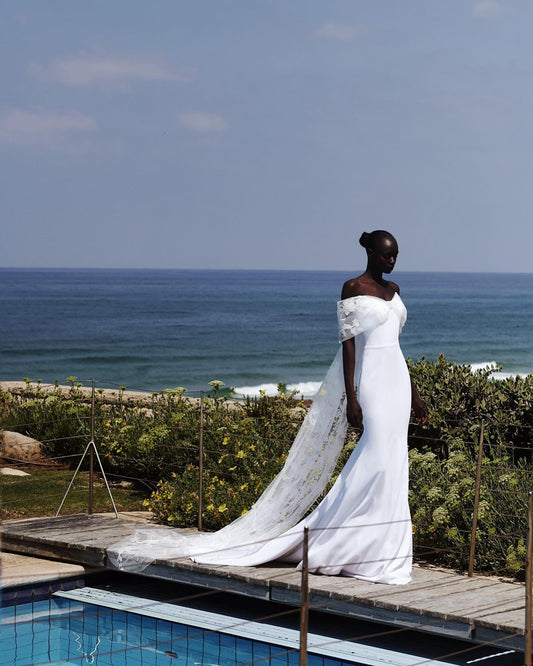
(308, 389)
(497, 374)
(305, 389)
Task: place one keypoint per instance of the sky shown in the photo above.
(266, 134)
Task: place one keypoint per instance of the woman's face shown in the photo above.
(384, 255)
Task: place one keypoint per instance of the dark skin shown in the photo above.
(381, 260)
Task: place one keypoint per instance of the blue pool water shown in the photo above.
(65, 631)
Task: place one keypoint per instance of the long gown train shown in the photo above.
(362, 528)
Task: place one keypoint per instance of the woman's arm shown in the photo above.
(353, 408)
(418, 405)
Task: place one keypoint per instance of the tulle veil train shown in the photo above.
(307, 470)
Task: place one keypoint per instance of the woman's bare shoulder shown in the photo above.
(353, 287)
(394, 286)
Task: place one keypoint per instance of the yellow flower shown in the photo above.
(222, 508)
(241, 454)
(210, 507)
(244, 485)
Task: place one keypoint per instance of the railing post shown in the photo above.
(304, 596)
(529, 578)
(91, 453)
(476, 502)
(201, 465)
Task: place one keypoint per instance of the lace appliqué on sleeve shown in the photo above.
(358, 314)
(351, 318)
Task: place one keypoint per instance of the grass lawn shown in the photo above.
(40, 494)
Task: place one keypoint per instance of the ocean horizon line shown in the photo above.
(397, 271)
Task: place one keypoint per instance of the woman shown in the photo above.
(382, 252)
(362, 528)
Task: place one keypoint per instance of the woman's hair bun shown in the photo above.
(365, 239)
(369, 241)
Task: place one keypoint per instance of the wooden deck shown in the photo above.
(477, 609)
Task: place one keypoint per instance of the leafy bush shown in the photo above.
(443, 465)
(245, 446)
(58, 419)
(459, 400)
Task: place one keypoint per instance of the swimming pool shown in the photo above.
(113, 625)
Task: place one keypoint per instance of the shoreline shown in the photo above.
(106, 395)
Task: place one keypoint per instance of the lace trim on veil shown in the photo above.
(308, 468)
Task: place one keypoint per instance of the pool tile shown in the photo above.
(278, 661)
(179, 632)
(24, 595)
(8, 597)
(260, 650)
(40, 594)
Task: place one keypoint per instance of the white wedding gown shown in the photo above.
(362, 528)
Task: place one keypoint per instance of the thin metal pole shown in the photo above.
(72, 480)
(93, 447)
(476, 502)
(201, 465)
(91, 453)
(90, 447)
(304, 605)
(529, 577)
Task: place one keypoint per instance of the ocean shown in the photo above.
(155, 329)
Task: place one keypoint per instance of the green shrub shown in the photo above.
(245, 446)
(60, 421)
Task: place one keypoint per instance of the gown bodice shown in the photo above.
(372, 320)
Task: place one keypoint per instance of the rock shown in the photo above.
(19, 447)
(8, 471)
(127, 485)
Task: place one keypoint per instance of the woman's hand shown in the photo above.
(419, 409)
(354, 413)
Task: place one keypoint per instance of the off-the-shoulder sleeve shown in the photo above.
(358, 314)
(347, 315)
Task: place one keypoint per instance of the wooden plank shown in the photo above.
(55, 537)
(93, 557)
(511, 622)
(456, 601)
